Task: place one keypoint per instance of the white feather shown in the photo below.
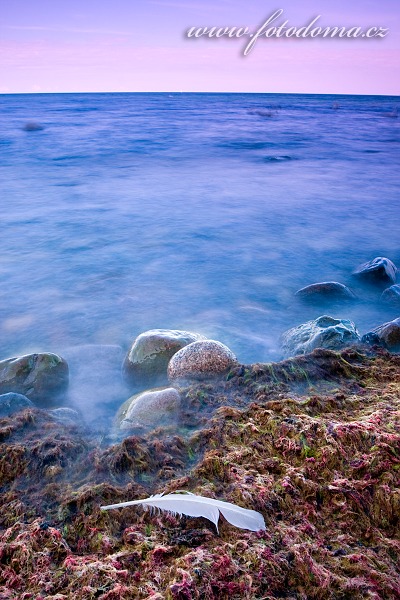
(192, 505)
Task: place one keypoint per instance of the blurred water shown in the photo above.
(204, 212)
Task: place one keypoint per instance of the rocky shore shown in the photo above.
(313, 443)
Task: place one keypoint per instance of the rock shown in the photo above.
(65, 415)
(32, 126)
(391, 295)
(388, 334)
(380, 270)
(152, 408)
(11, 403)
(326, 290)
(146, 363)
(201, 360)
(42, 377)
(324, 332)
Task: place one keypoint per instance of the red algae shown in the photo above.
(313, 443)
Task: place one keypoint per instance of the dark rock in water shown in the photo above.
(372, 339)
(151, 408)
(391, 295)
(43, 377)
(32, 126)
(11, 403)
(201, 360)
(146, 363)
(326, 290)
(379, 270)
(324, 332)
(387, 334)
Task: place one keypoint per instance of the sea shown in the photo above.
(121, 213)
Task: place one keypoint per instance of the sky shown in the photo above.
(141, 46)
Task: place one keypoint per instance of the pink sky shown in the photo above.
(139, 45)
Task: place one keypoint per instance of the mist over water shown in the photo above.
(205, 212)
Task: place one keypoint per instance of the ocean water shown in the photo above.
(205, 212)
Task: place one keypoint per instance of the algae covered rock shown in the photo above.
(11, 403)
(324, 332)
(378, 270)
(387, 334)
(201, 360)
(325, 290)
(391, 295)
(42, 377)
(146, 363)
(151, 408)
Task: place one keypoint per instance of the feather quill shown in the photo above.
(193, 505)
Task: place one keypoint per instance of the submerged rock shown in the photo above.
(391, 295)
(11, 403)
(326, 290)
(65, 415)
(43, 377)
(32, 126)
(324, 332)
(379, 270)
(201, 360)
(146, 363)
(152, 408)
(387, 334)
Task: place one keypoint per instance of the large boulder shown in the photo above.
(42, 377)
(391, 295)
(326, 290)
(152, 408)
(387, 335)
(146, 363)
(378, 270)
(324, 332)
(11, 403)
(201, 360)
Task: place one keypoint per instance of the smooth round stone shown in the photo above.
(388, 334)
(201, 360)
(32, 126)
(65, 415)
(42, 377)
(380, 270)
(326, 290)
(146, 363)
(11, 403)
(324, 332)
(149, 409)
(391, 295)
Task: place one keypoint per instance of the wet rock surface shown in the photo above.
(387, 334)
(391, 295)
(146, 363)
(324, 332)
(379, 270)
(42, 377)
(201, 360)
(11, 403)
(325, 290)
(151, 408)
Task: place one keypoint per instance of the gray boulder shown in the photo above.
(11, 403)
(201, 360)
(391, 295)
(326, 290)
(378, 270)
(146, 363)
(151, 408)
(324, 332)
(67, 416)
(387, 334)
(42, 377)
